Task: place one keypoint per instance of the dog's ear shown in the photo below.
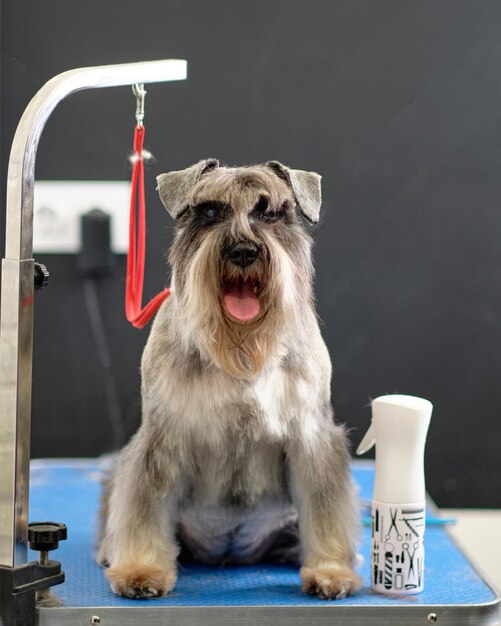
(305, 186)
(174, 188)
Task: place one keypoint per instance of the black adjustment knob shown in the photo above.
(45, 536)
(41, 276)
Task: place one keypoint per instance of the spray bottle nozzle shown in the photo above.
(367, 442)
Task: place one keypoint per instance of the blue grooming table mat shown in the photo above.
(68, 491)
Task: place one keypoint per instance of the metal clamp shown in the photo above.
(140, 92)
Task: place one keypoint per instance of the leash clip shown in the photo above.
(140, 92)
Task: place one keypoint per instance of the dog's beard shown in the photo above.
(236, 317)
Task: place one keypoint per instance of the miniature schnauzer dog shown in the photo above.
(238, 458)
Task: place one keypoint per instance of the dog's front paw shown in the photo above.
(330, 582)
(141, 581)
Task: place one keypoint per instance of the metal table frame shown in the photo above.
(16, 322)
(487, 615)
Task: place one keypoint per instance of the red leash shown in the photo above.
(137, 315)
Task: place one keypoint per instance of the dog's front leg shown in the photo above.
(139, 542)
(322, 490)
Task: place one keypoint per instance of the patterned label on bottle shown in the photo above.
(397, 565)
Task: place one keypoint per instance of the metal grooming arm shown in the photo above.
(16, 322)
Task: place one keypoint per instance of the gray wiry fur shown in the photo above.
(237, 450)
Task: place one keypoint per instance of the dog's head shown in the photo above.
(241, 257)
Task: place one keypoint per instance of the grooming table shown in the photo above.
(68, 491)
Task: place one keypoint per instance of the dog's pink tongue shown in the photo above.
(240, 300)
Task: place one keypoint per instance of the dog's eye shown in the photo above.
(263, 211)
(261, 205)
(212, 211)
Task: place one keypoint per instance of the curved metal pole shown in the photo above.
(16, 323)
(21, 173)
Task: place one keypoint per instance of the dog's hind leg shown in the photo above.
(139, 542)
(328, 515)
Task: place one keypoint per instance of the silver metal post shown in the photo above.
(16, 319)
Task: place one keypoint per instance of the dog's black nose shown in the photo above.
(244, 253)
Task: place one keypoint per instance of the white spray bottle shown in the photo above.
(399, 427)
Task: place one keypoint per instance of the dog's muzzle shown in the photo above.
(240, 294)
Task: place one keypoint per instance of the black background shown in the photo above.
(396, 103)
